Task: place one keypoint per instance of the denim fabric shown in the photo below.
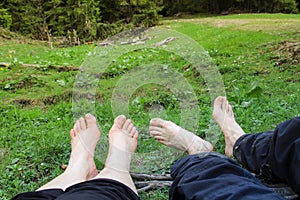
(274, 154)
(213, 176)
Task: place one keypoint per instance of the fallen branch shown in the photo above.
(165, 41)
(149, 185)
(150, 176)
(151, 181)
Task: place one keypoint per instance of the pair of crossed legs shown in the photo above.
(123, 136)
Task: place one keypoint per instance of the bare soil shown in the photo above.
(266, 25)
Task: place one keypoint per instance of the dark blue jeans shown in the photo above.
(273, 154)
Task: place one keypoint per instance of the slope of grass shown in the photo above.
(260, 74)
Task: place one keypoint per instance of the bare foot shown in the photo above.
(122, 144)
(81, 167)
(223, 115)
(84, 138)
(171, 135)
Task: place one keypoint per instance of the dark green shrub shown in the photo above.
(5, 19)
(105, 30)
(287, 6)
(147, 18)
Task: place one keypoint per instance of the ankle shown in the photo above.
(198, 146)
(80, 173)
(116, 170)
(118, 160)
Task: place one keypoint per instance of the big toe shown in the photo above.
(119, 121)
(90, 119)
(219, 101)
(157, 122)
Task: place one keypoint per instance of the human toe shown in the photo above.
(120, 120)
(136, 134)
(157, 122)
(90, 119)
(82, 123)
(127, 125)
(132, 131)
(218, 101)
(77, 126)
(155, 133)
(72, 133)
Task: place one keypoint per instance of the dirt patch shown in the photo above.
(272, 26)
(287, 52)
(287, 57)
(43, 101)
(266, 25)
(21, 83)
(229, 23)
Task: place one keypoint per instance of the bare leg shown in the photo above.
(223, 115)
(122, 145)
(81, 167)
(171, 135)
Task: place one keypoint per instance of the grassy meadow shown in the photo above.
(257, 55)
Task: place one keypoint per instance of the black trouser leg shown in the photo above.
(212, 176)
(273, 154)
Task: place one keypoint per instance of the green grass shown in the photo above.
(261, 16)
(260, 75)
(238, 16)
